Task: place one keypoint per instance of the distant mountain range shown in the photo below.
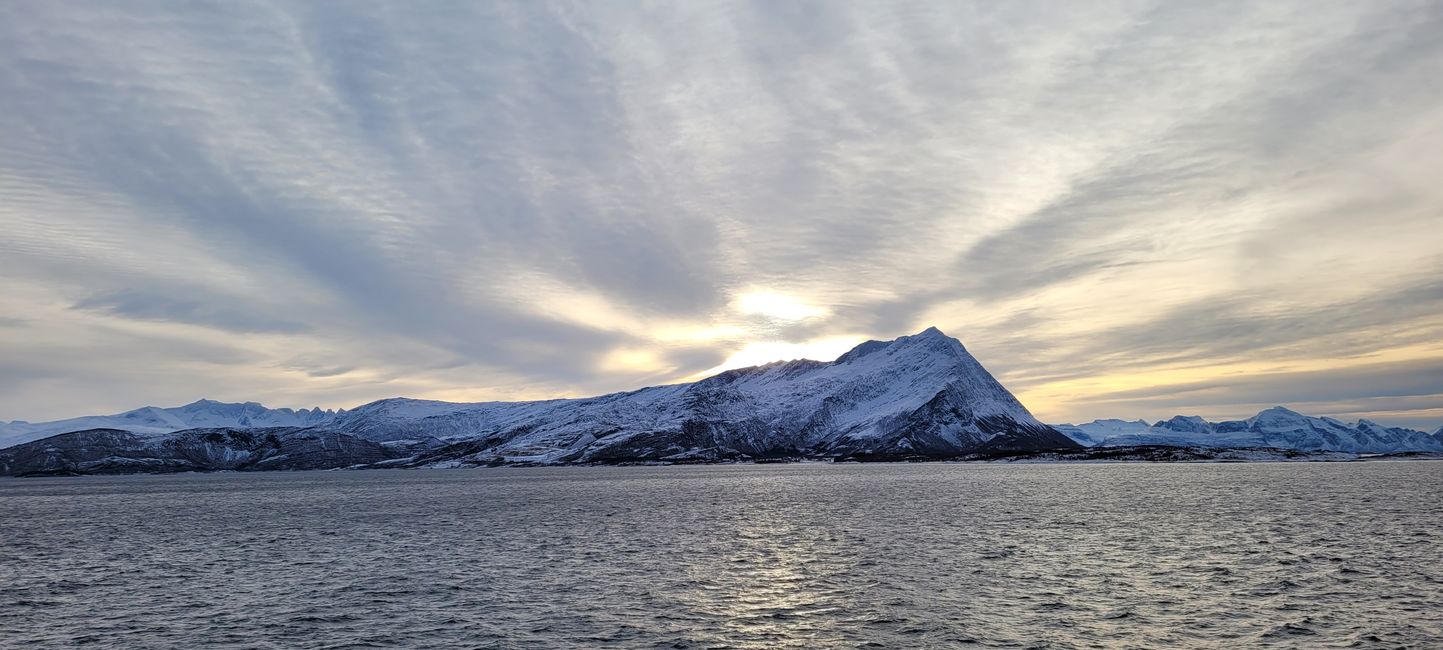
(915, 397)
(151, 419)
(1277, 428)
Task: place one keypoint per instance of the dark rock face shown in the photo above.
(111, 451)
(945, 426)
(86, 452)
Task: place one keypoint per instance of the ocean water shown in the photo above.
(1292, 555)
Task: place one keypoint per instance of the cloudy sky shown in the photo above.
(1127, 209)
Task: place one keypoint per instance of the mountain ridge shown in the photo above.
(922, 395)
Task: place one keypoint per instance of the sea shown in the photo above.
(812, 555)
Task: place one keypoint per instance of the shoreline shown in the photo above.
(1087, 456)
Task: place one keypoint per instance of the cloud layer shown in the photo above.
(1125, 209)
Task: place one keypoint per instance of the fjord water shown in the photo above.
(1300, 555)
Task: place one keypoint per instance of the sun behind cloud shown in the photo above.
(757, 353)
(776, 305)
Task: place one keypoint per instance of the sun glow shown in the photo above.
(774, 305)
(760, 352)
(631, 360)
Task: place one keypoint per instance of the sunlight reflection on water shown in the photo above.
(764, 556)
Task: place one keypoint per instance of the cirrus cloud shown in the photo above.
(327, 203)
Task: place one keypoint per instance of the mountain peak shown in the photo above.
(1184, 424)
(207, 404)
(930, 335)
(934, 335)
(934, 343)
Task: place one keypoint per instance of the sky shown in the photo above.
(1123, 209)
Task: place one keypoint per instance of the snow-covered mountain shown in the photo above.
(151, 419)
(919, 396)
(916, 396)
(1276, 427)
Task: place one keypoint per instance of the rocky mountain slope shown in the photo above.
(916, 396)
(1277, 428)
(112, 451)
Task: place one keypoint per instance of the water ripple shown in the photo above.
(766, 556)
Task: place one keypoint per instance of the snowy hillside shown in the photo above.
(151, 419)
(922, 394)
(916, 396)
(1276, 427)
